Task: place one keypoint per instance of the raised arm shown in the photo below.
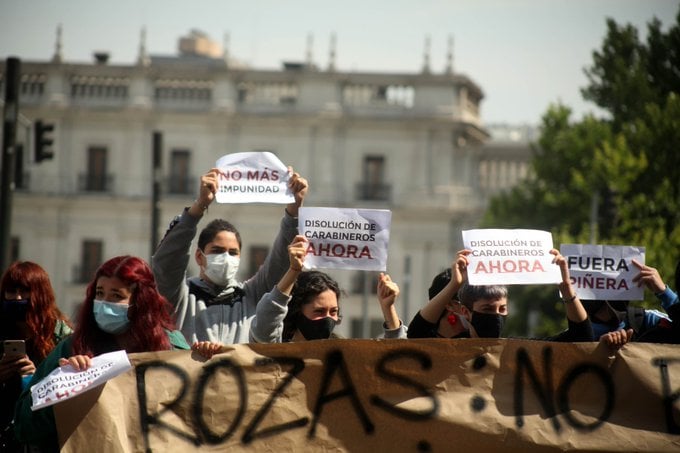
(573, 306)
(210, 182)
(276, 263)
(297, 251)
(434, 308)
(267, 325)
(170, 261)
(388, 291)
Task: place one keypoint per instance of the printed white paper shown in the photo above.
(346, 238)
(65, 382)
(253, 177)
(604, 272)
(510, 257)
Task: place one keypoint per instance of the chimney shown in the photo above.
(101, 57)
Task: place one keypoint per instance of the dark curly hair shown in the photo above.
(308, 285)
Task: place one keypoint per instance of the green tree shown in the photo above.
(627, 163)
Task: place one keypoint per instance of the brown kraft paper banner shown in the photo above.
(432, 395)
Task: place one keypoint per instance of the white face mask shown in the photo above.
(221, 268)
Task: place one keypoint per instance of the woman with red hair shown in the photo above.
(122, 310)
(28, 312)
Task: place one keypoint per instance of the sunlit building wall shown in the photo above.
(413, 143)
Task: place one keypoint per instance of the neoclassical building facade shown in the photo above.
(414, 143)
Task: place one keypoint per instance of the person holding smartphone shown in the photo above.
(122, 310)
(31, 325)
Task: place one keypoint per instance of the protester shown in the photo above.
(461, 310)
(122, 310)
(214, 306)
(302, 305)
(29, 313)
(444, 316)
(613, 315)
(616, 322)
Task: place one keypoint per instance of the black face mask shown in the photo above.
(14, 310)
(487, 325)
(319, 329)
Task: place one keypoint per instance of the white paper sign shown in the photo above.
(604, 272)
(510, 257)
(253, 177)
(346, 238)
(65, 382)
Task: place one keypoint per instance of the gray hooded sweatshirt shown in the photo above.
(206, 313)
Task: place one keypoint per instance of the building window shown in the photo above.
(33, 84)
(389, 96)
(91, 87)
(90, 260)
(373, 185)
(257, 254)
(183, 90)
(96, 179)
(180, 182)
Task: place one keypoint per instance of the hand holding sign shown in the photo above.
(568, 294)
(459, 268)
(649, 277)
(78, 362)
(206, 191)
(299, 186)
(76, 375)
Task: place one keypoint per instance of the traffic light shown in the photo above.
(43, 141)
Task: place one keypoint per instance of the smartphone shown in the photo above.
(14, 347)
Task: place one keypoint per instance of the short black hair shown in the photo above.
(213, 228)
(439, 282)
(469, 294)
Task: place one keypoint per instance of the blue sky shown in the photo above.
(525, 54)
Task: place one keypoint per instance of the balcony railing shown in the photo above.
(88, 182)
(372, 191)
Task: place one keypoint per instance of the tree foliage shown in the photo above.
(626, 165)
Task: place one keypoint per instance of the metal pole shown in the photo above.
(405, 318)
(594, 205)
(156, 188)
(9, 131)
(365, 320)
